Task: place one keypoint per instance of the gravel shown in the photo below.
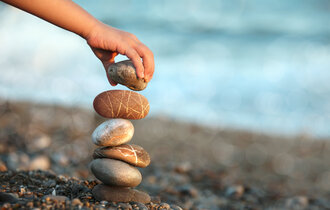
(192, 167)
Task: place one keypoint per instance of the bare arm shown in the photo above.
(105, 41)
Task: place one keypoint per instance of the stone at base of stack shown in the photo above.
(119, 194)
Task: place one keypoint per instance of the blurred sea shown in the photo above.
(251, 64)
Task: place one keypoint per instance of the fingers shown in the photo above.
(148, 61)
(107, 58)
(137, 62)
(104, 55)
(109, 42)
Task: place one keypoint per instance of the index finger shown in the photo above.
(137, 62)
(148, 61)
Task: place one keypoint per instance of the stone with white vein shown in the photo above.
(130, 153)
(116, 173)
(113, 132)
(121, 104)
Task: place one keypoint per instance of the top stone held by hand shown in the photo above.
(124, 73)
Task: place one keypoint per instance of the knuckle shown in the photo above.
(131, 36)
(135, 57)
(149, 52)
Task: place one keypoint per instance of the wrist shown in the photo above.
(90, 29)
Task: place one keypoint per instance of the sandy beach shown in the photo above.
(192, 166)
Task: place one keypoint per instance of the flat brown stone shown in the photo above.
(121, 104)
(124, 73)
(119, 194)
(116, 173)
(130, 153)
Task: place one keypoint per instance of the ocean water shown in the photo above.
(247, 64)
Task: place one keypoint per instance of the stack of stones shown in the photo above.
(115, 160)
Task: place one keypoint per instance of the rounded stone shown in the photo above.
(130, 153)
(58, 198)
(121, 104)
(116, 173)
(119, 194)
(41, 162)
(124, 73)
(113, 132)
(7, 198)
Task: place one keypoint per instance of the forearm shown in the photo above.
(63, 13)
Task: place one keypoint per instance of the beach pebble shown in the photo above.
(3, 166)
(155, 199)
(41, 162)
(124, 206)
(297, 202)
(18, 161)
(130, 153)
(124, 73)
(41, 142)
(138, 205)
(119, 194)
(175, 207)
(121, 104)
(164, 206)
(76, 202)
(7, 198)
(50, 183)
(113, 132)
(116, 173)
(235, 191)
(58, 198)
(188, 190)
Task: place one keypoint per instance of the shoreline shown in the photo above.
(204, 159)
(165, 117)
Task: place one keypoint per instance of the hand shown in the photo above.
(107, 42)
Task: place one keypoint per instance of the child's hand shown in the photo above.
(107, 42)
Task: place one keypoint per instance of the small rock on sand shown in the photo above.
(235, 191)
(297, 202)
(7, 198)
(76, 202)
(58, 198)
(40, 162)
(3, 166)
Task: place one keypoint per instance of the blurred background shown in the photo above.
(240, 99)
(251, 64)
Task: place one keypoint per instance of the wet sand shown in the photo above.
(192, 166)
